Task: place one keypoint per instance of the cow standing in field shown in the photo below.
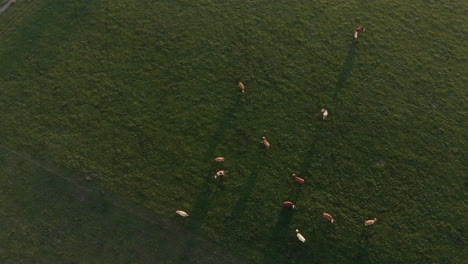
(241, 85)
(219, 159)
(325, 113)
(289, 204)
(370, 222)
(266, 143)
(300, 237)
(358, 30)
(298, 179)
(328, 217)
(182, 213)
(220, 174)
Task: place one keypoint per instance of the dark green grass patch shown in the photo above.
(49, 217)
(138, 97)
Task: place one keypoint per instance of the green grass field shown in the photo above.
(113, 111)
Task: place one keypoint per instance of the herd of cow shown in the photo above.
(222, 173)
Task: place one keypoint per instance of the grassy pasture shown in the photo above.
(50, 217)
(132, 100)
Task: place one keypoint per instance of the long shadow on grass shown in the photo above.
(277, 245)
(274, 251)
(89, 215)
(203, 202)
(361, 255)
(244, 196)
(345, 71)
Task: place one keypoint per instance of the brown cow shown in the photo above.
(267, 144)
(289, 204)
(219, 159)
(358, 30)
(241, 85)
(328, 217)
(220, 174)
(299, 180)
(370, 222)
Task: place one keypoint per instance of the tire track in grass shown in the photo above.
(193, 236)
(18, 13)
(7, 5)
(165, 230)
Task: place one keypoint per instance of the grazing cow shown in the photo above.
(241, 85)
(325, 113)
(300, 237)
(220, 174)
(267, 144)
(182, 213)
(328, 217)
(299, 180)
(289, 204)
(219, 159)
(356, 33)
(370, 222)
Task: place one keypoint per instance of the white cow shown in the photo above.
(300, 237)
(182, 213)
(325, 113)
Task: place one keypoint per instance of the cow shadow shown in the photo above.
(345, 71)
(203, 202)
(279, 237)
